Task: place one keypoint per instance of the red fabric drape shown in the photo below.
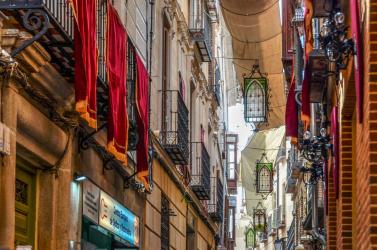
(291, 115)
(358, 58)
(142, 102)
(305, 99)
(308, 27)
(116, 65)
(85, 44)
(335, 137)
(305, 94)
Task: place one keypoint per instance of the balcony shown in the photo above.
(232, 166)
(293, 169)
(318, 65)
(217, 87)
(201, 32)
(291, 236)
(280, 216)
(200, 171)
(175, 133)
(215, 208)
(271, 224)
(57, 31)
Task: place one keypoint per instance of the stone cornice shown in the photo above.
(182, 26)
(38, 80)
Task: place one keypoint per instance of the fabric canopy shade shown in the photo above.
(267, 141)
(256, 39)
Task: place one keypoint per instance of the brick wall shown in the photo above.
(344, 202)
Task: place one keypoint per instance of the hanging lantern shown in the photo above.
(259, 218)
(250, 238)
(255, 97)
(264, 171)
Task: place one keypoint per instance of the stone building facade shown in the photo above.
(53, 165)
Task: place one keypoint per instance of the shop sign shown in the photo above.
(118, 219)
(233, 201)
(90, 201)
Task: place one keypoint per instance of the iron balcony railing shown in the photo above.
(215, 208)
(53, 21)
(200, 171)
(280, 216)
(293, 169)
(174, 135)
(201, 33)
(217, 86)
(271, 223)
(291, 236)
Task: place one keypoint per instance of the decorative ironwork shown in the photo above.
(250, 238)
(201, 32)
(291, 236)
(21, 192)
(200, 171)
(40, 16)
(216, 88)
(215, 208)
(34, 19)
(264, 170)
(256, 97)
(174, 137)
(338, 48)
(259, 218)
(165, 222)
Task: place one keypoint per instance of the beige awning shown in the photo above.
(267, 141)
(256, 39)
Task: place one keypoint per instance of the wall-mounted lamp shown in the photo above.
(79, 177)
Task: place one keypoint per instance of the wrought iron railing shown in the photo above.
(291, 236)
(200, 171)
(271, 223)
(51, 23)
(174, 135)
(201, 32)
(217, 85)
(215, 208)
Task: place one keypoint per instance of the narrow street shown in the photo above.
(188, 124)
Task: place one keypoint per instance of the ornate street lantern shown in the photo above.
(250, 238)
(338, 48)
(264, 170)
(255, 97)
(259, 218)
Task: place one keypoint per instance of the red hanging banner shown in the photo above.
(86, 53)
(116, 66)
(305, 99)
(291, 114)
(309, 40)
(358, 58)
(142, 103)
(335, 137)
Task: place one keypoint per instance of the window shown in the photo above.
(250, 238)
(165, 73)
(264, 177)
(165, 223)
(131, 102)
(255, 101)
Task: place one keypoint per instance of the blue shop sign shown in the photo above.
(118, 219)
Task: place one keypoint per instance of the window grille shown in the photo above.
(164, 223)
